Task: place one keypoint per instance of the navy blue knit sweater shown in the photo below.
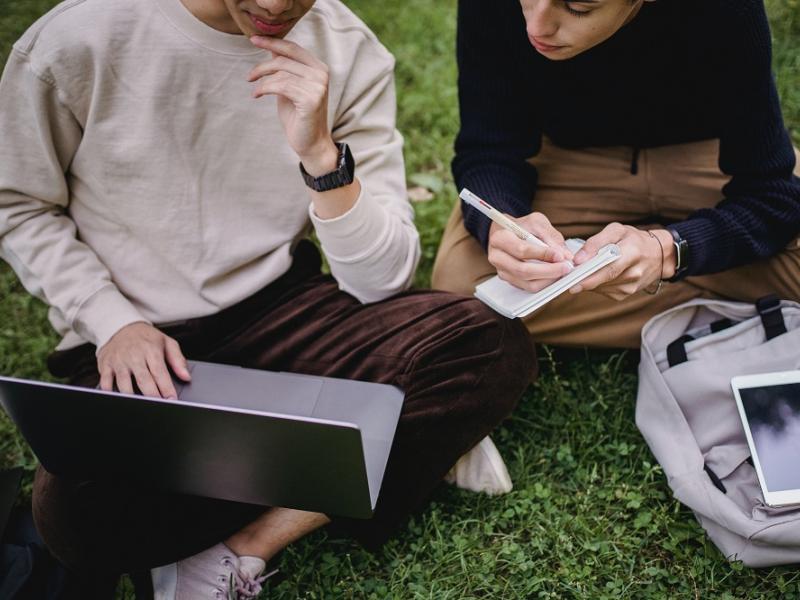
(681, 71)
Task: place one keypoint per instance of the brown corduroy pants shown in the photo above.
(581, 191)
(462, 368)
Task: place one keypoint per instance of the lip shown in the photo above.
(270, 27)
(542, 47)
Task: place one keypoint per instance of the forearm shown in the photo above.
(64, 273)
(742, 229)
(372, 249)
(506, 183)
(498, 104)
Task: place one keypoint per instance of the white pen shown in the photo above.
(502, 220)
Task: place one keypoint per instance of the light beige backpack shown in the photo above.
(687, 413)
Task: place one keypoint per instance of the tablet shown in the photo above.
(769, 405)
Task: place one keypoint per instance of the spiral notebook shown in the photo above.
(513, 302)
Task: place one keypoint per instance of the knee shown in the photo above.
(516, 366)
(446, 277)
(506, 357)
(63, 523)
(458, 270)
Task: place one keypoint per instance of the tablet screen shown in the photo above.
(773, 413)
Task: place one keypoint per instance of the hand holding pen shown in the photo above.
(528, 252)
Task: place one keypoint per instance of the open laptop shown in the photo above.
(275, 439)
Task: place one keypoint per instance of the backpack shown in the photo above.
(27, 570)
(687, 413)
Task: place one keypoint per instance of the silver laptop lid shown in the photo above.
(222, 452)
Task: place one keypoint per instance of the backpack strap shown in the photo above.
(676, 351)
(769, 307)
(715, 480)
(721, 324)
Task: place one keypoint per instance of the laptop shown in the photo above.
(261, 437)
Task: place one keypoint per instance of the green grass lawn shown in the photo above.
(591, 515)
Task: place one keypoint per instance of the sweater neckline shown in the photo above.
(204, 35)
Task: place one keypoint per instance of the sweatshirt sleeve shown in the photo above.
(760, 209)
(373, 249)
(40, 136)
(499, 124)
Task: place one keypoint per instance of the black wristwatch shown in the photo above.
(681, 255)
(342, 176)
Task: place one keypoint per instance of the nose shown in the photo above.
(541, 19)
(275, 7)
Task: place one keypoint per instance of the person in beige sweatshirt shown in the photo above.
(150, 194)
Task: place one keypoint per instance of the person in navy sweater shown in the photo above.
(654, 125)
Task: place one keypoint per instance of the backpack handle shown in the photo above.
(769, 309)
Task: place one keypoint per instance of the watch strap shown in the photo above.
(681, 255)
(343, 174)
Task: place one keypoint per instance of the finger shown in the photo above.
(529, 286)
(607, 274)
(288, 49)
(287, 65)
(106, 379)
(611, 234)
(145, 381)
(509, 243)
(525, 270)
(540, 226)
(123, 377)
(299, 91)
(176, 360)
(158, 370)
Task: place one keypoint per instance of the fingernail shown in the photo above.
(565, 268)
(580, 255)
(575, 290)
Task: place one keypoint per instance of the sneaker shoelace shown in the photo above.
(243, 586)
(246, 587)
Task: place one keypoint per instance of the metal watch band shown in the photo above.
(342, 176)
(681, 255)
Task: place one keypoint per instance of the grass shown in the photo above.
(591, 515)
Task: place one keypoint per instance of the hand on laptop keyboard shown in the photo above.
(140, 356)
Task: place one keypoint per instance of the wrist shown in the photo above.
(664, 238)
(322, 159)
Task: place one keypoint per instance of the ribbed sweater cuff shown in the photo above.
(103, 314)
(348, 237)
(707, 253)
(500, 193)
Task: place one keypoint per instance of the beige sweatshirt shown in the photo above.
(139, 181)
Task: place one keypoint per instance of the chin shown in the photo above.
(565, 54)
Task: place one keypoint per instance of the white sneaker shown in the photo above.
(216, 573)
(481, 470)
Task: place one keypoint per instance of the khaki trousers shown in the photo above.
(582, 191)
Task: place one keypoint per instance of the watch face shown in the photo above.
(348, 161)
(683, 254)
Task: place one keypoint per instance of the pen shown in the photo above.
(501, 219)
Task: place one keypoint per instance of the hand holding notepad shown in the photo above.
(513, 302)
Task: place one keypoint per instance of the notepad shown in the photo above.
(513, 302)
